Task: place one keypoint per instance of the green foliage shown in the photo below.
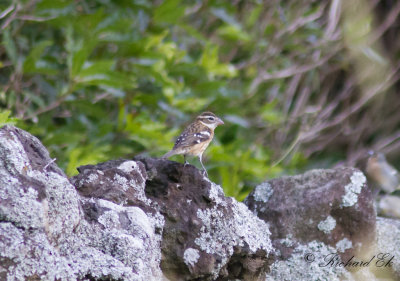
(5, 118)
(102, 79)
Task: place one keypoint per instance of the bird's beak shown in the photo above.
(220, 122)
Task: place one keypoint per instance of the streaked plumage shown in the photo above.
(196, 137)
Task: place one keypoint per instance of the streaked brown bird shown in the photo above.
(196, 137)
(382, 173)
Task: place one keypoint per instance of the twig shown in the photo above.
(51, 106)
(333, 18)
(288, 151)
(390, 19)
(11, 17)
(354, 108)
(301, 22)
(7, 11)
(32, 18)
(48, 164)
(288, 72)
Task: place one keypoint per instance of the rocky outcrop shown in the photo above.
(205, 235)
(153, 219)
(316, 217)
(49, 232)
(120, 220)
(330, 206)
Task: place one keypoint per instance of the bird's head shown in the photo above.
(210, 120)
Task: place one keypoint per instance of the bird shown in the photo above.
(196, 137)
(382, 173)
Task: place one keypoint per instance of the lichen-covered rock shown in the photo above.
(306, 263)
(120, 220)
(119, 181)
(153, 219)
(207, 236)
(49, 232)
(387, 243)
(331, 206)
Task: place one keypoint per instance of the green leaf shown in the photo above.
(6, 119)
(155, 40)
(224, 16)
(30, 63)
(210, 61)
(112, 79)
(78, 50)
(170, 11)
(232, 32)
(10, 47)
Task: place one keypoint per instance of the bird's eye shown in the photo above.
(211, 118)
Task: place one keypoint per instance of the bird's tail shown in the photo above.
(168, 154)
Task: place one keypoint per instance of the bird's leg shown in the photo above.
(184, 158)
(201, 162)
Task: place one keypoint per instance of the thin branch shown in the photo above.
(381, 144)
(302, 21)
(7, 11)
(390, 19)
(32, 18)
(355, 107)
(333, 18)
(11, 17)
(50, 107)
(288, 72)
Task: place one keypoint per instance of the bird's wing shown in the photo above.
(193, 135)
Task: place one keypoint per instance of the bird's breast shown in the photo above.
(197, 149)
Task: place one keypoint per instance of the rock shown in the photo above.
(49, 232)
(154, 219)
(207, 236)
(318, 213)
(120, 220)
(306, 263)
(387, 244)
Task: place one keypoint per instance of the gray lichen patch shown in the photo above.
(388, 241)
(32, 256)
(263, 192)
(217, 194)
(130, 166)
(327, 225)
(250, 229)
(62, 209)
(13, 154)
(129, 235)
(122, 181)
(343, 245)
(191, 256)
(20, 206)
(219, 234)
(307, 264)
(357, 181)
(132, 219)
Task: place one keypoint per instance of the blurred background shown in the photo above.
(300, 84)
